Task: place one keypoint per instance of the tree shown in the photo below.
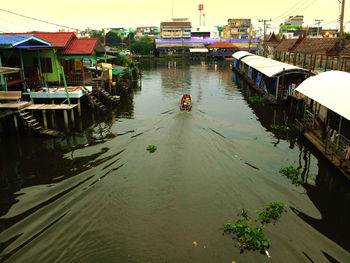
(144, 46)
(97, 34)
(112, 39)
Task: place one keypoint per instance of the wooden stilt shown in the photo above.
(65, 116)
(72, 116)
(44, 118)
(15, 122)
(52, 113)
(79, 108)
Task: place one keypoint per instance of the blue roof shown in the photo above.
(205, 41)
(18, 41)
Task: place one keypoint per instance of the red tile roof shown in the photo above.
(58, 39)
(221, 44)
(317, 46)
(83, 46)
(288, 45)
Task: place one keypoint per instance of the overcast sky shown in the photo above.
(133, 13)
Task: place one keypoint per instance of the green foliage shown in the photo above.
(143, 46)
(126, 61)
(249, 237)
(347, 35)
(112, 39)
(271, 212)
(292, 173)
(290, 127)
(151, 148)
(255, 99)
(98, 34)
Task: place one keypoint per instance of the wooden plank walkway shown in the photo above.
(15, 105)
(51, 107)
(331, 157)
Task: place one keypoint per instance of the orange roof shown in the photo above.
(83, 46)
(58, 39)
(221, 44)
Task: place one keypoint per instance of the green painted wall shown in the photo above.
(30, 56)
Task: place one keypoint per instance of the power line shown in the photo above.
(39, 20)
(290, 10)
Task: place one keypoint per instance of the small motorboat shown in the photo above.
(186, 103)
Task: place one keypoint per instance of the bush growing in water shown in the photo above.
(248, 237)
(292, 173)
(256, 98)
(151, 148)
(271, 212)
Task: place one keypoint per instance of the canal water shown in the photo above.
(97, 195)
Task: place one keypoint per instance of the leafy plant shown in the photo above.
(271, 212)
(151, 148)
(292, 173)
(248, 237)
(255, 99)
(290, 127)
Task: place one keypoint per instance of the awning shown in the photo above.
(117, 71)
(270, 67)
(75, 57)
(102, 56)
(331, 89)
(198, 50)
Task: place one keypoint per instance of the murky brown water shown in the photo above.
(99, 196)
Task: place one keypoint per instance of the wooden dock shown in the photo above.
(51, 107)
(333, 158)
(15, 105)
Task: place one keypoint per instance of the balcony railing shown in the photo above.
(77, 78)
(14, 78)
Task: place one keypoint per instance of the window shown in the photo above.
(46, 65)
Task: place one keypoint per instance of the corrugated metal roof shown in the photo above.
(27, 40)
(82, 46)
(58, 39)
(331, 89)
(270, 67)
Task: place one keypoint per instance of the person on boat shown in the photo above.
(186, 102)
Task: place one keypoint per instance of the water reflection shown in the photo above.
(98, 195)
(328, 189)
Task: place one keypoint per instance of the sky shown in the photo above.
(97, 14)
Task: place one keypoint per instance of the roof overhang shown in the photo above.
(240, 54)
(331, 89)
(271, 68)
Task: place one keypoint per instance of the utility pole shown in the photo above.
(318, 23)
(264, 21)
(341, 35)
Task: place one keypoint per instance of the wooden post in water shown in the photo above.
(72, 116)
(65, 116)
(52, 113)
(339, 129)
(44, 118)
(79, 108)
(15, 122)
(283, 76)
(325, 66)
